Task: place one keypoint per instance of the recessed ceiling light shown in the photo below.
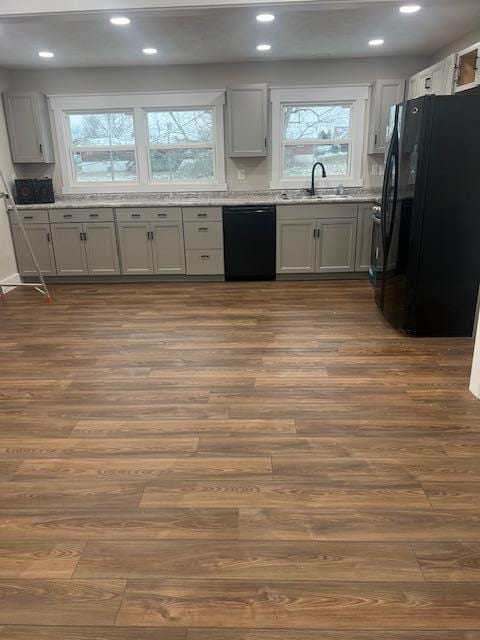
(150, 51)
(46, 54)
(265, 17)
(376, 43)
(120, 21)
(264, 47)
(410, 8)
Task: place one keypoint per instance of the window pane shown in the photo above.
(321, 122)
(172, 127)
(102, 129)
(299, 159)
(104, 166)
(181, 164)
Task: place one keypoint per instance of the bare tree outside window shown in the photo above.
(103, 147)
(314, 133)
(182, 145)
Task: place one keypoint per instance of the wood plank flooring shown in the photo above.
(214, 461)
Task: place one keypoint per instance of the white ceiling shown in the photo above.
(230, 34)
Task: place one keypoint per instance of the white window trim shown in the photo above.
(138, 103)
(356, 95)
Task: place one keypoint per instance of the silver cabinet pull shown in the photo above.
(162, 215)
(202, 229)
(135, 215)
(67, 215)
(205, 257)
(93, 215)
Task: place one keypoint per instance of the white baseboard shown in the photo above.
(15, 277)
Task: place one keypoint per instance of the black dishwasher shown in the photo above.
(249, 242)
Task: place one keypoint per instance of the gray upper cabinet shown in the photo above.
(247, 120)
(40, 239)
(28, 127)
(385, 94)
(336, 245)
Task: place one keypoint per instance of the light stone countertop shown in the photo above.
(205, 199)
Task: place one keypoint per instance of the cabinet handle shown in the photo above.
(202, 215)
(202, 229)
(28, 217)
(148, 235)
(135, 215)
(376, 139)
(41, 148)
(162, 215)
(314, 233)
(205, 257)
(48, 237)
(151, 235)
(67, 215)
(428, 83)
(84, 237)
(81, 236)
(93, 215)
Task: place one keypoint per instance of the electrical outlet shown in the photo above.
(241, 174)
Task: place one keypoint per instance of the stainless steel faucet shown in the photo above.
(311, 191)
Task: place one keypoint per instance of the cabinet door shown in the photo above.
(412, 88)
(40, 239)
(168, 247)
(386, 94)
(442, 76)
(28, 127)
(468, 68)
(69, 249)
(424, 83)
(101, 248)
(247, 120)
(336, 245)
(364, 238)
(135, 248)
(296, 246)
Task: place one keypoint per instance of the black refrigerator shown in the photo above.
(428, 281)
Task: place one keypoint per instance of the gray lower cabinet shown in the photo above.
(364, 237)
(41, 241)
(151, 247)
(296, 240)
(335, 249)
(85, 249)
(316, 246)
(168, 247)
(70, 253)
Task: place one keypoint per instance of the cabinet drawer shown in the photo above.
(213, 214)
(203, 235)
(148, 214)
(204, 262)
(318, 211)
(81, 215)
(31, 216)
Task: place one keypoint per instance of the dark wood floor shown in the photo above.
(233, 462)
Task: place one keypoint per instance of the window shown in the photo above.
(317, 125)
(141, 142)
(181, 145)
(102, 147)
(314, 133)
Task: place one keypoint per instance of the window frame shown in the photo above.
(181, 145)
(355, 96)
(139, 104)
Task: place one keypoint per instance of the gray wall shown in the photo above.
(214, 76)
(462, 43)
(8, 265)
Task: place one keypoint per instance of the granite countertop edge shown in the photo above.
(230, 199)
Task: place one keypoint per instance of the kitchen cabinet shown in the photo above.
(436, 80)
(85, 249)
(28, 127)
(151, 247)
(296, 241)
(135, 251)
(167, 247)
(468, 72)
(385, 94)
(203, 230)
(247, 120)
(364, 237)
(335, 247)
(40, 238)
